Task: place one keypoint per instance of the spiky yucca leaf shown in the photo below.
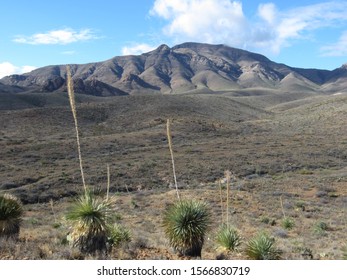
(228, 237)
(185, 224)
(89, 218)
(262, 247)
(11, 212)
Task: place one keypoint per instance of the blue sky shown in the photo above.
(36, 33)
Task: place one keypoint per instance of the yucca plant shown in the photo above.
(228, 237)
(262, 247)
(287, 223)
(89, 218)
(185, 224)
(11, 212)
(320, 228)
(118, 235)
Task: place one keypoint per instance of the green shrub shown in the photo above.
(185, 225)
(320, 228)
(228, 238)
(11, 212)
(118, 235)
(262, 247)
(89, 219)
(288, 223)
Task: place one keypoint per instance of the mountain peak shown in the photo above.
(162, 48)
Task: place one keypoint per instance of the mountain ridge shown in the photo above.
(186, 67)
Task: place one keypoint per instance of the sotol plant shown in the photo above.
(185, 224)
(11, 212)
(90, 217)
(119, 235)
(262, 247)
(227, 236)
(89, 223)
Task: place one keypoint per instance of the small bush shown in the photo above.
(262, 247)
(11, 212)
(185, 224)
(288, 223)
(320, 228)
(118, 235)
(228, 238)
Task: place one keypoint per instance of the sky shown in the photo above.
(299, 33)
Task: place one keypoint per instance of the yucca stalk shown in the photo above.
(221, 199)
(185, 224)
(11, 212)
(169, 138)
(228, 177)
(71, 93)
(108, 182)
(282, 208)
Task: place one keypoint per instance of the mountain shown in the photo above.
(186, 67)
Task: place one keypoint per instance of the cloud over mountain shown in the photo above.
(224, 21)
(7, 68)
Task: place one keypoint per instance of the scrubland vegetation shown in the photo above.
(239, 183)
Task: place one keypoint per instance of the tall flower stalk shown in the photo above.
(169, 138)
(71, 93)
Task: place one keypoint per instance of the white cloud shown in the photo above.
(202, 20)
(223, 21)
(7, 68)
(57, 37)
(337, 49)
(137, 49)
(267, 12)
(298, 23)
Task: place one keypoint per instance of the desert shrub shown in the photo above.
(11, 212)
(288, 223)
(228, 238)
(118, 235)
(89, 218)
(320, 228)
(262, 247)
(185, 225)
